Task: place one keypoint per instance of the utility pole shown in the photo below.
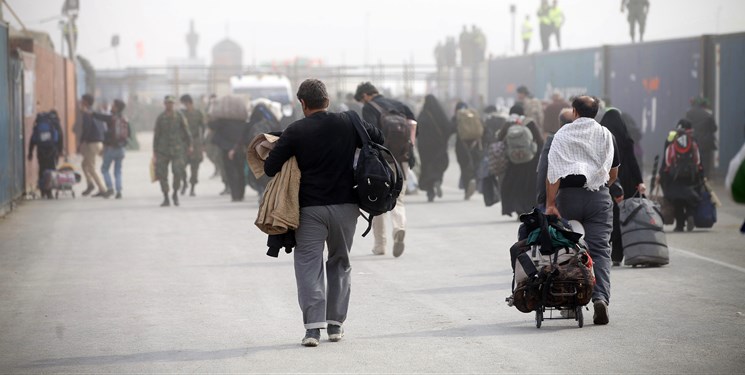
(513, 10)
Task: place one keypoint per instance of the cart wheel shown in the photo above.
(538, 318)
(580, 318)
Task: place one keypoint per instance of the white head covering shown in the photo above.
(585, 148)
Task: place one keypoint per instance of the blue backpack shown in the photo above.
(45, 133)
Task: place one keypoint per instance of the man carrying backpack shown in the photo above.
(395, 121)
(681, 173)
(47, 139)
(324, 146)
(115, 141)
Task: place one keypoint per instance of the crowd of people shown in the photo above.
(581, 155)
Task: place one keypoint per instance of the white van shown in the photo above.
(274, 87)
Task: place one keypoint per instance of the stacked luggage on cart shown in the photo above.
(552, 269)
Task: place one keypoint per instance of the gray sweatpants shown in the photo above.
(594, 209)
(333, 226)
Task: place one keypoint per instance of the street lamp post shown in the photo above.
(513, 10)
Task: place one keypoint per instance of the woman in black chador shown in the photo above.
(629, 174)
(517, 185)
(434, 130)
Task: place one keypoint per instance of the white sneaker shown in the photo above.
(378, 250)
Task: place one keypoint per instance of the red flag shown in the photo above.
(140, 46)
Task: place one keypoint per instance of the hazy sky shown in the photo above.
(335, 31)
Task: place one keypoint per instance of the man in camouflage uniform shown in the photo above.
(195, 118)
(171, 141)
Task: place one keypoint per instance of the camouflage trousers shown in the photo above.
(178, 168)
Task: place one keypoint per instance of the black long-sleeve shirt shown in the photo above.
(324, 145)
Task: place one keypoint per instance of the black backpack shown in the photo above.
(397, 131)
(377, 183)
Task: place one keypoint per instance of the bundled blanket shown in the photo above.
(279, 210)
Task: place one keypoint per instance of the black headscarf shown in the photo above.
(433, 111)
(629, 173)
(517, 109)
(614, 122)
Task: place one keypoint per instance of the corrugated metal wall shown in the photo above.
(11, 144)
(506, 75)
(728, 83)
(572, 73)
(653, 82)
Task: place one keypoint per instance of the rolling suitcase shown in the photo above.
(642, 234)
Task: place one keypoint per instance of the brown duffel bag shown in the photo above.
(566, 278)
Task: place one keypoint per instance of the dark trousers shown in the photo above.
(683, 209)
(557, 32)
(616, 253)
(545, 31)
(235, 174)
(594, 210)
(47, 160)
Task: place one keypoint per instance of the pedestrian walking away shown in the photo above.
(48, 140)
(468, 149)
(681, 174)
(630, 182)
(115, 142)
(582, 162)
(435, 129)
(705, 131)
(324, 146)
(91, 145)
(229, 122)
(522, 141)
(197, 127)
(171, 140)
(394, 119)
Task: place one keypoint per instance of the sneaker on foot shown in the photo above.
(166, 202)
(378, 250)
(175, 198)
(108, 193)
(88, 190)
(118, 195)
(689, 224)
(600, 316)
(398, 243)
(312, 337)
(470, 189)
(335, 332)
(99, 195)
(438, 189)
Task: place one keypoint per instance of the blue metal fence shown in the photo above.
(11, 127)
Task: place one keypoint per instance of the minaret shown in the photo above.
(192, 39)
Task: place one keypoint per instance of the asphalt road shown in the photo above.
(124, 286)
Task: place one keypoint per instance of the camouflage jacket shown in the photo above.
(172, 136)
(197, 127)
